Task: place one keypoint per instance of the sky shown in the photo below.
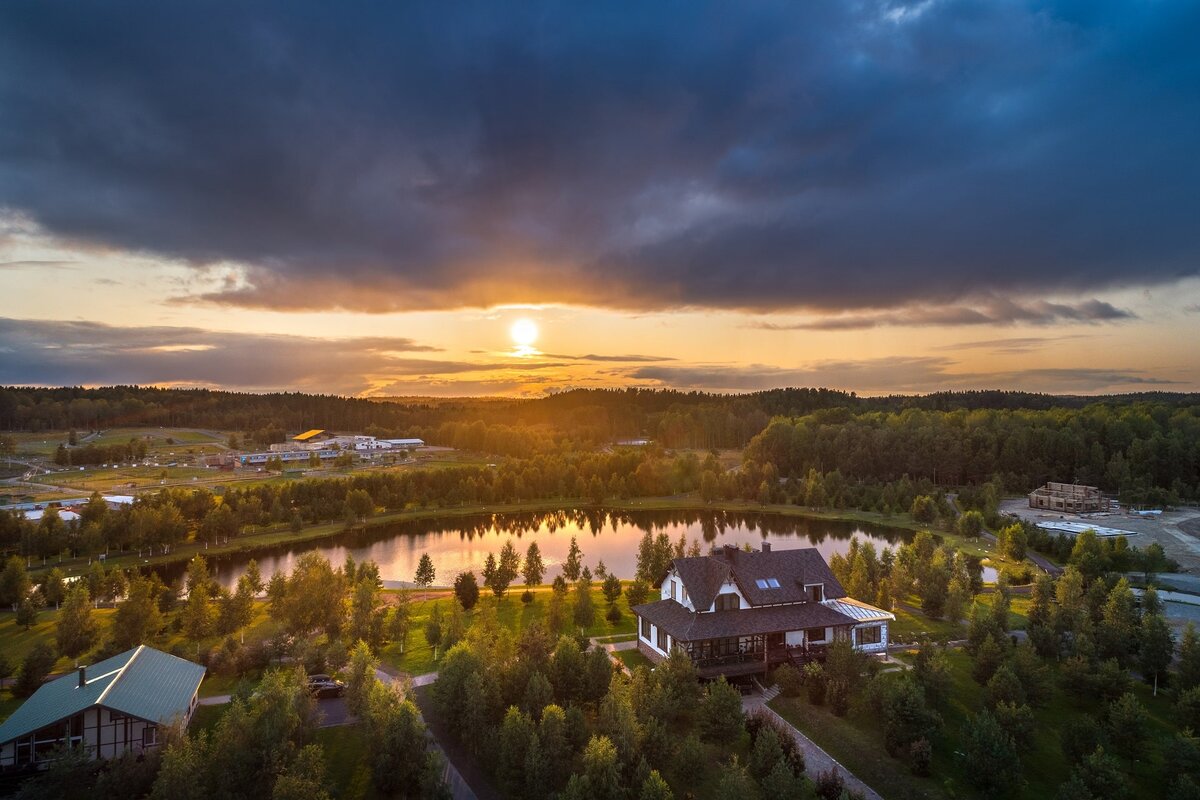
(364, 198)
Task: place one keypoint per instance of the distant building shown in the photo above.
(66, 515)
(109, 709)
(1068, 497)
(404, 444)
(118, 501)
(316, 434)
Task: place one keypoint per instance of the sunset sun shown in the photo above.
(524, 333)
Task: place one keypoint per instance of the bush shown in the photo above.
(466, 590)
(920, 757)
(34, 669)
(759, 721)
(789, 680)
(838, 690)
(830, 784)
(814, 681)
(527, 597)
(613, 614)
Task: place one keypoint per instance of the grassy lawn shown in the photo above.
(347, 754)
(511, 614)
(632, 659)
(205, 718)
(101, 479)
(912, 625)
(857, 741)
(16, 642)
(8, 704)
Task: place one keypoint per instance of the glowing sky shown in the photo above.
(875, 196)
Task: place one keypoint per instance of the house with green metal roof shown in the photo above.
(109, 708)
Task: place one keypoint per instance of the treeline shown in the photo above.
(133, 450)
(581, 416)
(1149, 452)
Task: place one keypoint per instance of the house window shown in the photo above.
(767, 583)
(675, 590)
(149, 736)
(816, 635)
(662, 640)
(870, 635)
(816, 592)
(646, 629)
(728, 601)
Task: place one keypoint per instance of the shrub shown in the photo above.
(613, 614)
(814, 681)
(789, 680)
(839, 696)
(527, 597)
(920, 757)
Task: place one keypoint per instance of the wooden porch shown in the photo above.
(751, 655)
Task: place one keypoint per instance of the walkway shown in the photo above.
(459, 789)
(816, 760)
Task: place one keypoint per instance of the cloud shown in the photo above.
(71, 353)
(627, 359)
(1012, 346)
(995, 311)
(774, 156)
(905, 375)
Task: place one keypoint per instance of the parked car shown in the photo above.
(325, 686)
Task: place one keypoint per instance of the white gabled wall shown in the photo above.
(672, 589)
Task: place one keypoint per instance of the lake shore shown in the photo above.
(281, 535)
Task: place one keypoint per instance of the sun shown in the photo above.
(524, 332)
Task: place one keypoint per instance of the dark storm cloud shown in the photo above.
(70, 353)
(829, 156)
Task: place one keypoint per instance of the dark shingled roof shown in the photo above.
(703, 577)
(687, 626)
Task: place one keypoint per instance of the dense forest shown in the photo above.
(1149, 452)
(672, 418)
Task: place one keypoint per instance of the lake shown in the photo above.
(463, 543)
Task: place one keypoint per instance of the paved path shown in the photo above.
(459, 789)
(816, 760)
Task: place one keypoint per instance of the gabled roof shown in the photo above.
(304, 437)
(142, 682)
(687, 626)
(702, 576)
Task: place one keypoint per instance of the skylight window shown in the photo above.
(767, 583)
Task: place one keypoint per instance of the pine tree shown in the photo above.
(425, 572)
(534, 567)
(573, 566)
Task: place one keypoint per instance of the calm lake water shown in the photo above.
(463, 543)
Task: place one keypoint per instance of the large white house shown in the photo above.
(743, 613)
(110, 708)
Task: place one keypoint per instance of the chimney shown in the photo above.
(766, 547)
(82, 677)
(729, 551)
